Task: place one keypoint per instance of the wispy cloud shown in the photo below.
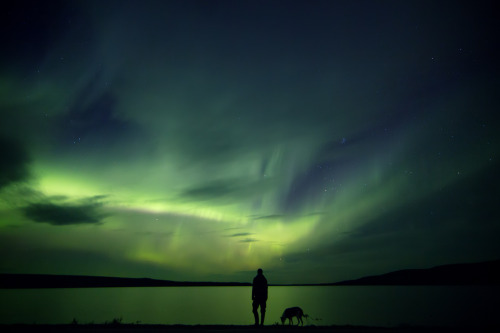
(268, 217)
(249, 240)
(241, 234)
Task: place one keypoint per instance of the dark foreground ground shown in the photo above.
(139, 328)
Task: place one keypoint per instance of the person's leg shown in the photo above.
(255, 305)
(262, 312)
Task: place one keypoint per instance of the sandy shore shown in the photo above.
(133, 328)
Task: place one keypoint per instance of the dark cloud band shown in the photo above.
(63, 214)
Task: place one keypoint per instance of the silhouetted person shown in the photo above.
(259, 296)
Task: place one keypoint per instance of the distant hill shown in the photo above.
(484, 273)
(11, 281)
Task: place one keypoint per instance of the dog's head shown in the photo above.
(283, 320)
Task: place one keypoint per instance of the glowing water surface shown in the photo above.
(353, 305)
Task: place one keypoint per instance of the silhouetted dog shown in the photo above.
(293, 312)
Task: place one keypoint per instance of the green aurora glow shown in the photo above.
(200, 141)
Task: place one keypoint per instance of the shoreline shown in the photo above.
(178, 328)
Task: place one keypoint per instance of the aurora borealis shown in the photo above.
(200, 140)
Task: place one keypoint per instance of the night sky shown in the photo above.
(201, 140)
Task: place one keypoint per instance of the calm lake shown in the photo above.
(332, 305)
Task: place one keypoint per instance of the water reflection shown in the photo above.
(379, 306)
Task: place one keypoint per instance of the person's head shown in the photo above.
(259, 271)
